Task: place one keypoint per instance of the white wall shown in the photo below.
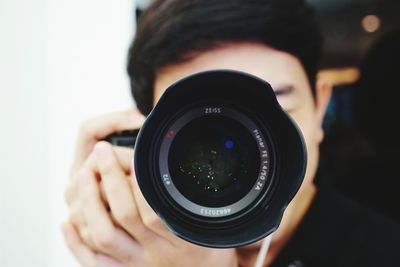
(24, 188)
(61, 62)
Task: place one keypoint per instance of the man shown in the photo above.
(277, 40)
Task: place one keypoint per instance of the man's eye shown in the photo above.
(285, 95)
(284, 90)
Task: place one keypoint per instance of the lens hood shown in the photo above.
(219, 160)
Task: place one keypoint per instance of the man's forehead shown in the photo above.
(257, 59)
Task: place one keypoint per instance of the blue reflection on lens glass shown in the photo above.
(229, 144)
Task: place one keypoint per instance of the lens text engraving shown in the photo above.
(215, 212)
(166, 179)
(212, 110)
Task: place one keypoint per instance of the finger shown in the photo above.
(76, 216)
(82, 253)
(119, 195)
(150, 219)
(86, 237)
(123, 156)
(106, 261)
(107, 238)
(71, 193)
(98, 128)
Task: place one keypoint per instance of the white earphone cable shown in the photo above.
(262, 254)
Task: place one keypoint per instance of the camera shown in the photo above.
(218, 159)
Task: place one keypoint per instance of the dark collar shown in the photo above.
(338, 232)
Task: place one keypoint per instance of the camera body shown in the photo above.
(219, 160)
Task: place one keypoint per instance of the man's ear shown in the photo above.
(323, 93)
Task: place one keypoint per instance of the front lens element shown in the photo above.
(214, 161)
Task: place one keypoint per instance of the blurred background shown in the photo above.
(62, 62)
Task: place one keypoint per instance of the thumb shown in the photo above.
(98, 128)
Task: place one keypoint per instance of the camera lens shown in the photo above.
(214, 161)
(219, 160)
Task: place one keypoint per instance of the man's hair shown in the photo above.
(172, 31)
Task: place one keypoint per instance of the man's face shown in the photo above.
(285, 74)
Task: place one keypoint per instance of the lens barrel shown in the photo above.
(219, 160)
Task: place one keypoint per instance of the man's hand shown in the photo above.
(111, 223)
